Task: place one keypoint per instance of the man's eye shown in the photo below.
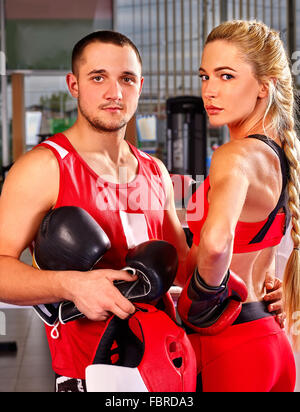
(128, 80)
(98, 79)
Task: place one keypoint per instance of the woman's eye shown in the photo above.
(203, 77)
(227, 76)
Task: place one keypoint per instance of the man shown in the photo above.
(106, 80)
(91, 166)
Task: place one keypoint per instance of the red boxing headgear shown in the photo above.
(147, 353)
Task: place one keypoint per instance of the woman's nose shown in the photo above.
(210, 89)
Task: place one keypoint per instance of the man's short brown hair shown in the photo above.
(102, 36)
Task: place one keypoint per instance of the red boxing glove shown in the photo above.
(209, 310)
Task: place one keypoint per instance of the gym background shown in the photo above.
(37, 37)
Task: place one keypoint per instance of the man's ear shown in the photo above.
(141, 85)
(72, 83)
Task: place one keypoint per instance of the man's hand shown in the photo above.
(95, 295)
(154, 264)
(273, 296)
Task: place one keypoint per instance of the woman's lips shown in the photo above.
(213, 110)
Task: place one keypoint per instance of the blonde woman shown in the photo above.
(249, 199)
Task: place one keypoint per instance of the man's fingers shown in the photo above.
(123, 314)
(273, 296)
(269, 281)
(120, 306)
(281, 320)
(124, 304)
(275, 307)
(121, 275)
(117, 305)
(104, 316)
(275, 300)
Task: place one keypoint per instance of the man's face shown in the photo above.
(107, 84)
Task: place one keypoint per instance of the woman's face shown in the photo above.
(231, 93)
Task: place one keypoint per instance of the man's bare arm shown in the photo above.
(30, 190)
(28, 193)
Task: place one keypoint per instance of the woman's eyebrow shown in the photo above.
(218, 69)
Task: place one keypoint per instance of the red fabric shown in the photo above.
(81, 186)
(166, 360)
(164, 342)
(249, 357)
(245, 231)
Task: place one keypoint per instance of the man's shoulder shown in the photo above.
(38, 163)
(40, 155)
(33, 179)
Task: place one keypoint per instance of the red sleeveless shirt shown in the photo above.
(128, 213)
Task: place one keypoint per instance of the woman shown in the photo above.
(249, 198)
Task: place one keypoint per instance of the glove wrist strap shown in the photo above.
(204, 287)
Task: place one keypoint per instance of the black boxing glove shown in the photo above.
(155, 262)
(68, 238)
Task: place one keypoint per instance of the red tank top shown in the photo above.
(249, 236)
(128, 213)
